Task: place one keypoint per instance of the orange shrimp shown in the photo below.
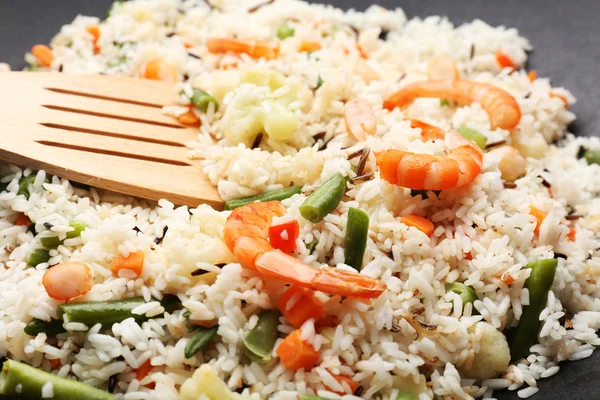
(246, 234)
(428, 132)
(426, 172)
(501, 106)
(254, 48)
(360, 118)
(68, 280)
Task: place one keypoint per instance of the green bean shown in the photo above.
(539, 284)
(466, 293)
(109, 312)
(444, 102)
(471, 134)
(278, 194)
(51, 242)
(312, 246)
(259, 342)
(201, 100)
(200, 341)
(28, 383)
(325, 199)
(406, 395)
(51, 328)
(311, 397)
(285, 31)
(38, 256)
(357, 231)
(592, 156)
(24, 185)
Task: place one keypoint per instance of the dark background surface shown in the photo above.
(565, 35)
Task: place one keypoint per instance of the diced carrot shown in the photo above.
(143, 372)
(306, 45)
(285, 242)
(469, 256)
(22, 220)
(560, 96)
(361, 51)
(306, 305)
(188, 45)
(532, 75)
(95, 32)
(343, 378)
(504, 61)
(134, 262)
(421, 223)
(571, 234)
(43, 54)
(55, 364)
(328, 321)
(157, 69)
(539, 216)
(189, 119)
(295, 353)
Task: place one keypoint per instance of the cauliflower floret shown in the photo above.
(206, 382)
(493, 356)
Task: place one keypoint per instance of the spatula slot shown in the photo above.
(111, 134)
(96, 96)
(97, 114)
(113, 153)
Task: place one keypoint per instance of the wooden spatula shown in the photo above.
(107, 132)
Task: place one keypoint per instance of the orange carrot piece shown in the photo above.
(189, 119)
(421, 223)
(539, 216)
(95, 32)
(504, 61)
(328, 321)
(188, 45)
(306, 306)
(306, 45)
(343, 378)
(134, 262)
(571, 234)
(143, 372)
(532, 75)
(361, 51)
(22, 220)
(43, 54)
(295, 353)
(158, 70)
(560, 96)
(55, 364)
(468, 256)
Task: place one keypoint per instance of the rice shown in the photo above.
(415, 335)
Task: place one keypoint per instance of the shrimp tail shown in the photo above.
(279, 265)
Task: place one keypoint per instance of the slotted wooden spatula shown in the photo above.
(107, 132)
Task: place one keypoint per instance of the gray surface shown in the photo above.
(565, 34)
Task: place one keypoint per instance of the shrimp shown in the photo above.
(360, 118)
(428, 132)
(252, 47)
(442, 67)
(246, 233)
(502, 108)
(512, 164)
(68, 280)
(426, 172)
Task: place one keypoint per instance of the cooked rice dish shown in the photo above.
(406, 217)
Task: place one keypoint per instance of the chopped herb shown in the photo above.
(186, 313)
(319, 82)
(444, 102)
(312, 246)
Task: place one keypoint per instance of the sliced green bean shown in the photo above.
(325, 199)
(25, 184)
(259, 342)
(592, 156)
(109, 312)
(312, 246)
(406, 395)
(539, 284)
(51, 328)
(474, 135)
(285, 31)
(27, 383)
(444, 102)
(51, 242)
(466, 293)
(38, 256)
(201, 100)
(278, 194)
(200, 341)
(357, 231)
